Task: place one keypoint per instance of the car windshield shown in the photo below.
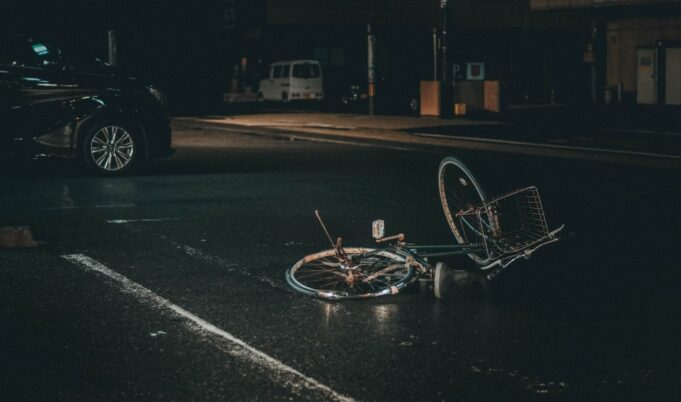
(88, 63)
(307, 70)
(25, 51)
(46, 53)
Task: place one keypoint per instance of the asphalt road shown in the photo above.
(170, 285)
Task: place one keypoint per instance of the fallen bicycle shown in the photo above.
(494, 233)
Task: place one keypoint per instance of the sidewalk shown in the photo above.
(621, 127)
(555, 132)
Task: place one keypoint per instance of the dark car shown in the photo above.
(392, 97)
(57, 104)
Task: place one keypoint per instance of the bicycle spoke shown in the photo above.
(364, 273)
(325, 286)
(321, 274)
(384, 270)
(375, 280)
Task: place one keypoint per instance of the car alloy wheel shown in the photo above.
(112, 148)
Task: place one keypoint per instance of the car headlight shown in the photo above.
(158, 95)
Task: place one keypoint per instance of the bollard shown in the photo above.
(16, 237)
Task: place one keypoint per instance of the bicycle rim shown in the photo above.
(371, 273)
(459, 191)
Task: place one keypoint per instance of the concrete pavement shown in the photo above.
(118, 301)
(431, 133)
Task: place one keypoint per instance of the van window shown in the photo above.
(306, 70)
(277, 72)
(287, 71)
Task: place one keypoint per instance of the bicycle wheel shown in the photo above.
(459, 191)
(364, 273)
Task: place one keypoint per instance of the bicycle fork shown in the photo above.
(338, 245)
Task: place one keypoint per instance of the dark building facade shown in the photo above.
(634, 47)
(537, 57)
(541, 51)
(181, 46)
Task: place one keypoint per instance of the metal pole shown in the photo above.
(444, 87)
(371, 73)
(113, 51)
(434, 54)
(594, 72)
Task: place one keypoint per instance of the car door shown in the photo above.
(37, 91)
(5, 83)
(95, 85)
(8, 82)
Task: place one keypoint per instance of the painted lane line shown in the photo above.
(64, 207)
(201, 255)
(116, 206)
(142, 220)
(279, 372)
(229, 266)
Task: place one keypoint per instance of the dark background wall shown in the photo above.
(329, 12)
(186, 48)
(181, 46)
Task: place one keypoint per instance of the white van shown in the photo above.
(293, 80)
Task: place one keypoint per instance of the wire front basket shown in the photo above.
(508, 224)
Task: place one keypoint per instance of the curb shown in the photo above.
(405, 141)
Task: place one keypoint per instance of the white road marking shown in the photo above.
(230, 267)
(86, 207)
(116, 206)
(124, 221)
(278, 371)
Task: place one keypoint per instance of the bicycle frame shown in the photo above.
(416, 252)
(415, 255)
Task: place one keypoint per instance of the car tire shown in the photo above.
(112, 148)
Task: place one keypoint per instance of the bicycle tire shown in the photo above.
(459, 190)
(324, 276)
